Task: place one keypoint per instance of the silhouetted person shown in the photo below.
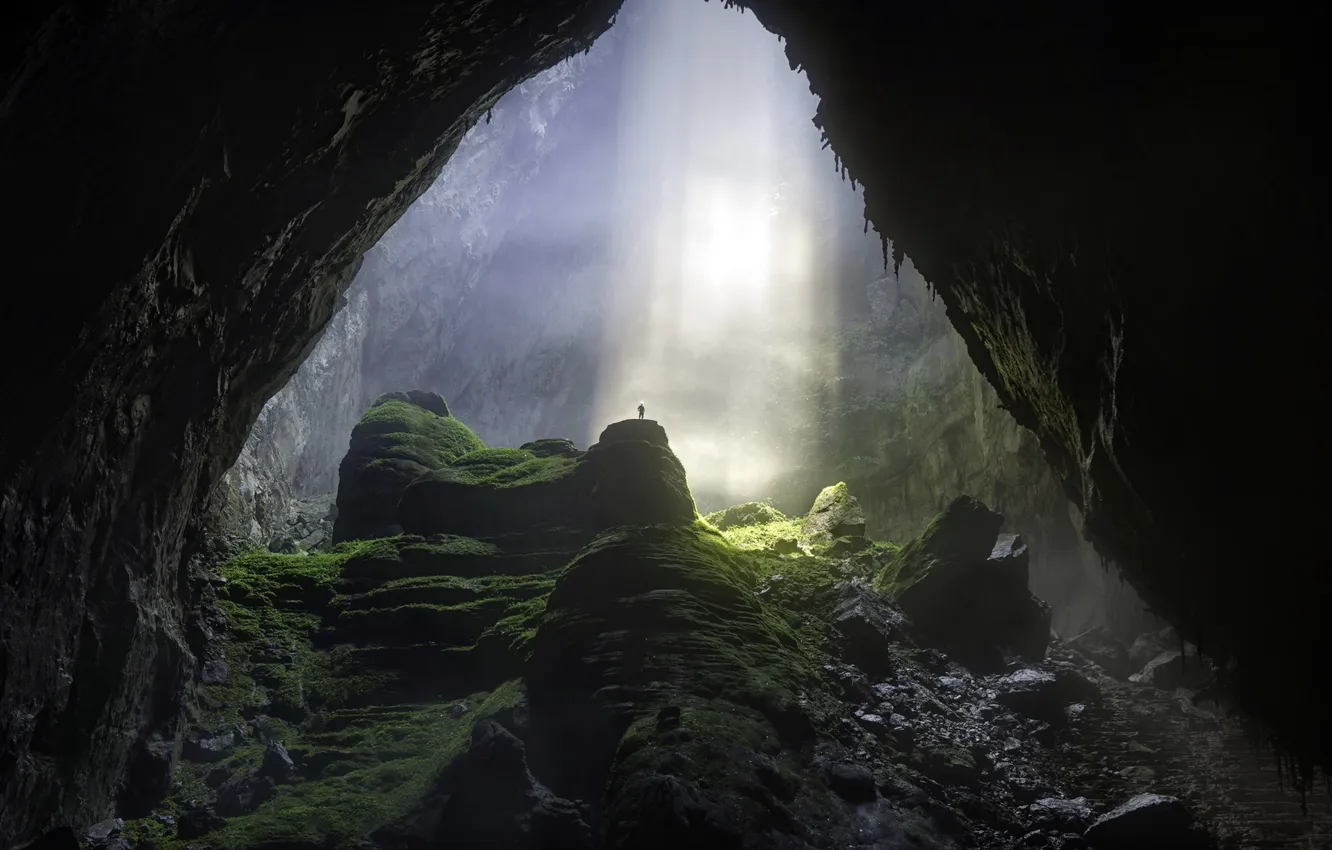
(641, 410)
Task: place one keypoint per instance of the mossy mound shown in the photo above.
(965, 588)
(835, 525)
(356, 661)
(669, 615)
(630, 477)
(400, 437)
(750, 513)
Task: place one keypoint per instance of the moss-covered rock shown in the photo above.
(400, 437)
(603, 657)
(750, 513)
(656, 656)
(964, 586)
(836, 513)
(369, 664)
(630, 477)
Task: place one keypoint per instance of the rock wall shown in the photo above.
(911, 424)
(428, 307)
(207, 176)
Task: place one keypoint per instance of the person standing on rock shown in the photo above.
(641, 410)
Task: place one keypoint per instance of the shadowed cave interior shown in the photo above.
(976, 502)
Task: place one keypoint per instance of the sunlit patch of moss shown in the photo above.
(764, 535)
(749, 513)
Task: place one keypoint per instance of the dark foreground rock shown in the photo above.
(1173, 669)
(1149, 822)
(1100, 646)
(964, 587)
(489, 798)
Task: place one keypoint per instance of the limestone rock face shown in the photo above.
(629, 477)
(401, 437)
(964, 586)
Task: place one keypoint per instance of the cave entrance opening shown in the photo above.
(659, 221)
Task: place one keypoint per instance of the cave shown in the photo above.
(1088, 192)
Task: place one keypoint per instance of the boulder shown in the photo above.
(244, 793)
(1144, 649)
(1061, 814)
(835, 512)
(1172, 669)
(102, 831)
(629, 477)
(1148, 822)
(869, 624)
(277, 762)
(401, 437)
(197, 822)
(1103, 649)
(965, 588)
(489, 798)
(210, 748)
(1044, 695)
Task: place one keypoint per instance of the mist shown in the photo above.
(722, 292)
(657, 221)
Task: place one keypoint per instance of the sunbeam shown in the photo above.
(718, 302)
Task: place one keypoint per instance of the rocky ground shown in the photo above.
(558, 652)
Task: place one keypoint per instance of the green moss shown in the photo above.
(683, 600)
(394, 443)
(417, 434)
(764, 535)
(393, 759)
(750, 513)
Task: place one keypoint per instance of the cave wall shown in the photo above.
(1120, 207)
(1082, 183)
(912, 424)
(197, 181)
(430, 307)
